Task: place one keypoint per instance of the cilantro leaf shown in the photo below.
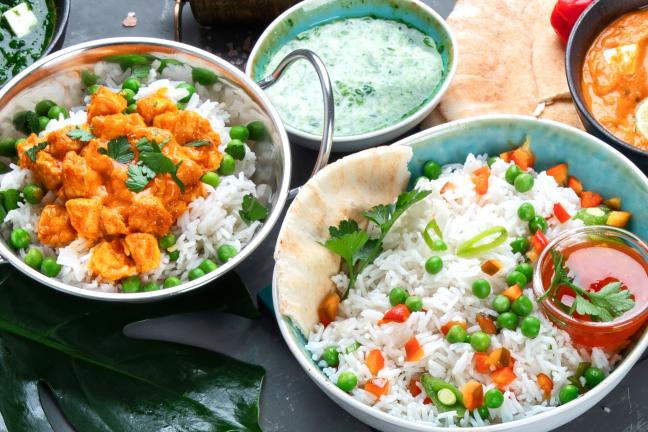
(252, 210)
(138, 177)
(385, 215)
(157, 162)
(198, 143)
(32, 151)
(80, 134)
(346, 226)
(612, 299)
(119, 150)
(144, 145)
(347, 246)
(585, 307)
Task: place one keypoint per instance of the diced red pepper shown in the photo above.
(413, 350)
(539, 241)
(375, 361)
(427, 400)
(377, 387)
(564, 16)
(481, 362)
(559, 173)
(486, 323)
(575, 184)
(590, 199)
(503, 377)
(560, 213)
(397, 314)
(414, 388)
(546, 384)
(523, 156)
(445, 328)
(480, 179)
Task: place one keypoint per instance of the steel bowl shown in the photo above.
(57, 77)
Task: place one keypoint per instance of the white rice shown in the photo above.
(209, 222)
(448, 296)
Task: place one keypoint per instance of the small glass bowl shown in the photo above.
(613, 334)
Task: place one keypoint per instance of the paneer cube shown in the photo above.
(110, 262)
(143, 249)
(84, 216)
(54, 228)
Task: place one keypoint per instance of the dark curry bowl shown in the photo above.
(62, 15)
(590, 24)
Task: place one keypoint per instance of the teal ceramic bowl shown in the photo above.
(600, 168)
(310, 13)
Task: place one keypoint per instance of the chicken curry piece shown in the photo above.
(91, 176)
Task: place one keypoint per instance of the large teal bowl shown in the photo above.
(600, 167)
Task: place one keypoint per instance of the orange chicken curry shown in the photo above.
(122, 179)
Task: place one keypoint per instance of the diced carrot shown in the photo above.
(539, 241)
(398, 314)
(480, 179)
(473, 395)
(445, 328)
(559, 173)
(590, 199)
(481, 362)
(486, 323)
(575, 184)
(327, 310)
(523, 156)
(506, 156)
(427, 400)
(546, 384)
(618, 218)
(414, 388)
(613, 203)
(447, 187)
(532, 256)
(491, 266)
(375, 361)
(377, 387)
(413, 350)
(503, 377)
(499, 358)
(560, 213)
(512, 292)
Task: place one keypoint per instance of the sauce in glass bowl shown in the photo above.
(599, 294)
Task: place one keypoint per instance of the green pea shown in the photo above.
(530, 327)
(196, 273)
(208, 266)
(174, 255)
(526, 212)
(171, 282)
(520, 245)
(481, 288)
(526, 269)
(8, 146)
(414, 303)
(131, 83)
(56, 111)
(128, 94)
(43, 121)
(10, 199)
(226, 252)
(227, 166)
(593, 377)
(131, 284)
(190, 88)
(483, 412)
(524, 182)
(257, 130)
(49, 267)
(181, 106)
(508, 320)
(132, 108)
(43, 107)
(456, 334)
(25, 122)
(347, 381)
(568, 393)
(431, 170)
(331, 356)
(434, 265)
(515, 277)
(537, 223)
(89, 78)
(203, 76)
(210, 178)
(501, 303)
(166, 241)
(19, 238)
(92, 89)
(236, 149)
(34, 258)
(439, 245)
(239, 132)
(493, 398)
(150, 286)
(480, 341)
(397, 296)
(512, 172)
(522, 306)
(33, 193)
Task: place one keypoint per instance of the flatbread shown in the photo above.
(510, 61)
(344, 189)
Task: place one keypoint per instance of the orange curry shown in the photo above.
(615, 76)
(94, 200)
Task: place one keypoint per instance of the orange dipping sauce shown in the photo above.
(594, 264)
(615, 76)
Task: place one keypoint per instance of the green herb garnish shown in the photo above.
(198, 143)
(252, 210)
(119, 150)
(80, 134)
(139, 176)
(151, 162)
(32, 151)
(355, 246)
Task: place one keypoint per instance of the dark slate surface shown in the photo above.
(290, 401)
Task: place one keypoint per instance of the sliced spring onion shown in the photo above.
(446, 397)
(432, 225)
(472, 248)
(353, 347)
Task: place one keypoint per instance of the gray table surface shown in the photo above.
(290, 401)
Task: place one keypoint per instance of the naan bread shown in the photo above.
(510, 62)
(342, 190)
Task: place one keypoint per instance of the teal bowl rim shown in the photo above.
(410, 120)
(567, 412)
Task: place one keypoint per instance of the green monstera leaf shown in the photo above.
(105, 381)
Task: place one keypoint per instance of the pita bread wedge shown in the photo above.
(344, 189)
